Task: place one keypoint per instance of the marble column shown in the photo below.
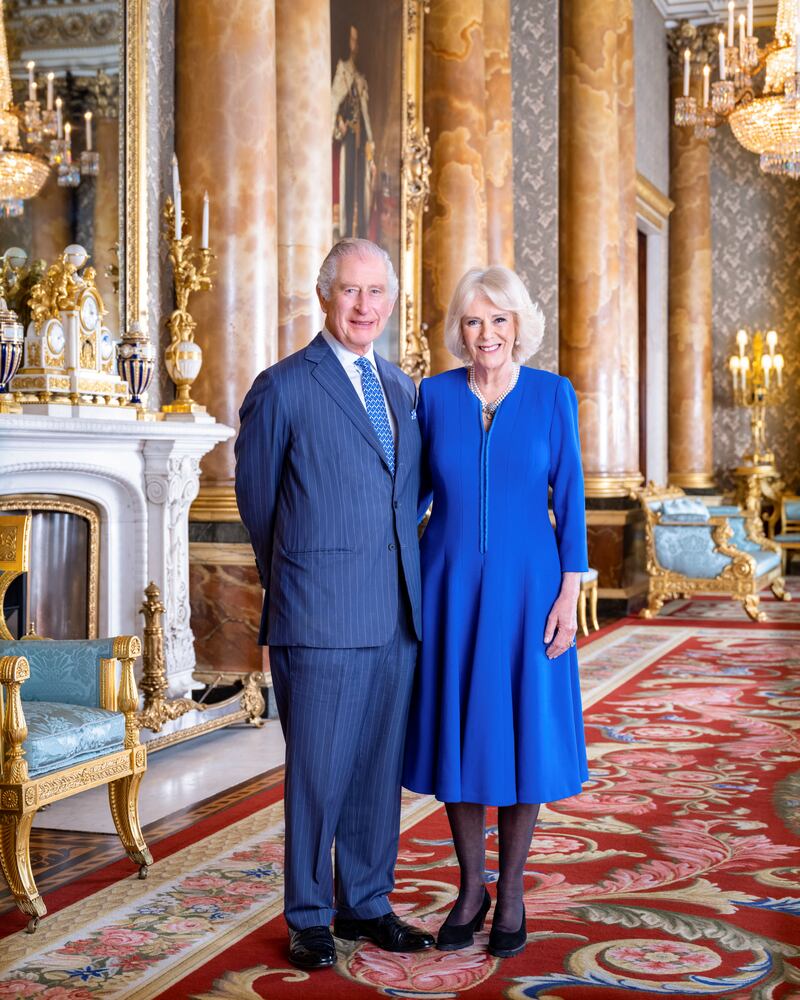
(106, 212)
(304, 164)
(454, 227)
(690, 376)
(498, 159)
(597, 232)
(226, 140)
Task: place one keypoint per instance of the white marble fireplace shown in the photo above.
(142, 477)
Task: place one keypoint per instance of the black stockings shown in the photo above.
(515, 832)
(467, 821)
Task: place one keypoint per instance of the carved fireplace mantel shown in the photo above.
(142, 477)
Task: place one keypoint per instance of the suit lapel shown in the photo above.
(332, 377)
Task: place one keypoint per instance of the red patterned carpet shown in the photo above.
(676, 873)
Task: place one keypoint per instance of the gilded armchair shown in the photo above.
(67, 723)
(695, 549)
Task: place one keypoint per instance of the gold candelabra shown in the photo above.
(757, 376)
(183, 357)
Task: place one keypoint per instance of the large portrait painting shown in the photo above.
(375, 72)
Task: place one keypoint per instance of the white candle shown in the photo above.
(722, 55)
(741, 37)
(772, 340)
(777, 363)
(59, 123)
(730, 23)
(706, 75)
(204, 237)
(68, 138)
(178, 214)
(733, 364)
(176, 180)
(50, 78)
(31, 81)
(741, 340)
(88, 119)
(686, 71)
(766, 364)
(749, 18)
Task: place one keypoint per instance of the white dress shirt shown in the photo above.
(348, 362)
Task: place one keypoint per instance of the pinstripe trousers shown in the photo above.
(343, 713)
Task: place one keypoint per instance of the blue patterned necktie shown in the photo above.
(376, 409)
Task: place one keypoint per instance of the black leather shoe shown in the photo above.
(387, 932)
(505, 944)
(312, 948)
(453, 937)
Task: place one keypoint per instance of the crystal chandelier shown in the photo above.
(48, 140)
(21, 174)
(768, 124)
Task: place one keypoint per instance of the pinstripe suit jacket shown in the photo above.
(334, 535)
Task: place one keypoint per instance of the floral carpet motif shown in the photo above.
(721, 608)
(675, 873)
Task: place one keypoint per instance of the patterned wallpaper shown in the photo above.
(534, 68)
(755, 221)
(651, 67)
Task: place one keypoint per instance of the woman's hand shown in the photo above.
(562, 622)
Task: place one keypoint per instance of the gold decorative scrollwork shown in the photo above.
(414, 191)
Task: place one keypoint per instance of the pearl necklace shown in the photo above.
(489, 409)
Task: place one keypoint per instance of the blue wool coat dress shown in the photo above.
(493, 720)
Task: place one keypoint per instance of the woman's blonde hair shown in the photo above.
(504, 289)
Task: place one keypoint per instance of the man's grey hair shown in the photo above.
(348, 248)
(505, 290)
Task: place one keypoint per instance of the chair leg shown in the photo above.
(779, 590)
(655, 602)
(123, 797)
(750, 604)
(582, 612)
(15, 858)
(593, 605)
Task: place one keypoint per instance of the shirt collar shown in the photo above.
(346, 357)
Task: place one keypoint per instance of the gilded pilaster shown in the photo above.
(690, 447)
(498, 160)
(454, 233)
(226, 144)
(304, 164)
(597, 233)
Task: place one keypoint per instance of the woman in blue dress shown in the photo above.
(496, 711)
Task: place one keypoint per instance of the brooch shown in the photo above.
(413, 414)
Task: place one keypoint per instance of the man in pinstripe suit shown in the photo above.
(327, 477)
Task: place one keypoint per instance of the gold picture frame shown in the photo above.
(381, 151)
(133, 255)
(415, 355)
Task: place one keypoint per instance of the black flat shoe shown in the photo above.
(312, 948)
(387, 932)
(453, 937)
(505, 944)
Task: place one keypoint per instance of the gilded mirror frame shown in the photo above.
(414, 190)
(133, 143)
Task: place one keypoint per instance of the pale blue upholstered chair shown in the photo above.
(692, 548)
(68, 723)
(789, 537)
